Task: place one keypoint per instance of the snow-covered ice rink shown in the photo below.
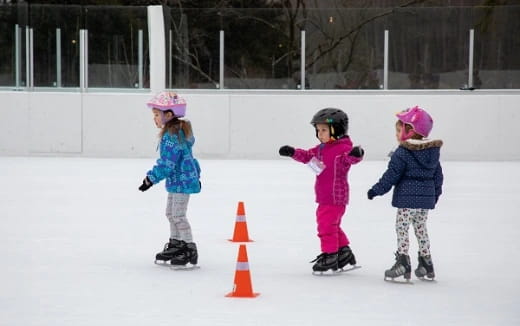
(78, 240)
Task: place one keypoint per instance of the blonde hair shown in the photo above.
(175, 125)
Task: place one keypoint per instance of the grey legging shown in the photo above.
(176, 208)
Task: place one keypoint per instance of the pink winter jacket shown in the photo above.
(331, 185)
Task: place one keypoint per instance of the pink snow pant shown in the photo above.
(332, 237)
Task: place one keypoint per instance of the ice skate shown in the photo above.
(171, 248)
(188, 255)
(401, 268)
(325, 262)
(425, 270)
(346, 257)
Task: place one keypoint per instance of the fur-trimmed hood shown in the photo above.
(425, 151)
(418, 144)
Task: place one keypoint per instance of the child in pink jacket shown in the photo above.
(331, 160)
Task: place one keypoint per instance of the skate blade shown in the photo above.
(426, 279)
(336, 272)
(393, 280)
(328, 272)
(184, 267)
(348, 269)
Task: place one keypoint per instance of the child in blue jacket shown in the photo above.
(415, 173)
(182, 173)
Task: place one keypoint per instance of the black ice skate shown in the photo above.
(401, 268)
(171, 248)
(346, 257)
(325, 262)
(188, 255)
(425, 268)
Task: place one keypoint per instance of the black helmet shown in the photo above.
(335, 118)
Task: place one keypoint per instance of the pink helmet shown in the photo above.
(165, 101)
(420, 120)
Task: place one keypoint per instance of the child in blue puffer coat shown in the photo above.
(415, 173)
(182, 173)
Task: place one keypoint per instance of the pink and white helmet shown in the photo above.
(171, 101)
(419, 119)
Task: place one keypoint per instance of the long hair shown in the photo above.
(175, 125)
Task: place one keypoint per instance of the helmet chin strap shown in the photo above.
(165, 120)
(406, 135)
(331, 133)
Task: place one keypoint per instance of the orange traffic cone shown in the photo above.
(240, 234)
(242, 287)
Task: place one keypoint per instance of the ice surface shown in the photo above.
(78, 241)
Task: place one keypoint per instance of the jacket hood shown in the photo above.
(425, 151)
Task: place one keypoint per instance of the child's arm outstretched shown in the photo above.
(391, 177)
(354, 156)
(298, 154)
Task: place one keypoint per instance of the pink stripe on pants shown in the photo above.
(328, 218)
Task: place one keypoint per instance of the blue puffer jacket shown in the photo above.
(415, 171)
(177, 165)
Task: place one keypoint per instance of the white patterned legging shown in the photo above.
(417, 217)
(176, 208)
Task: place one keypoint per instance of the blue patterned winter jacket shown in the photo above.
(416, 174)
(176, 164)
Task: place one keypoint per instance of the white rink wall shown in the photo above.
(478, 125)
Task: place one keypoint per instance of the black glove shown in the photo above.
(286, 151)
(357, 151)
(371, 194)
(146, 184)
